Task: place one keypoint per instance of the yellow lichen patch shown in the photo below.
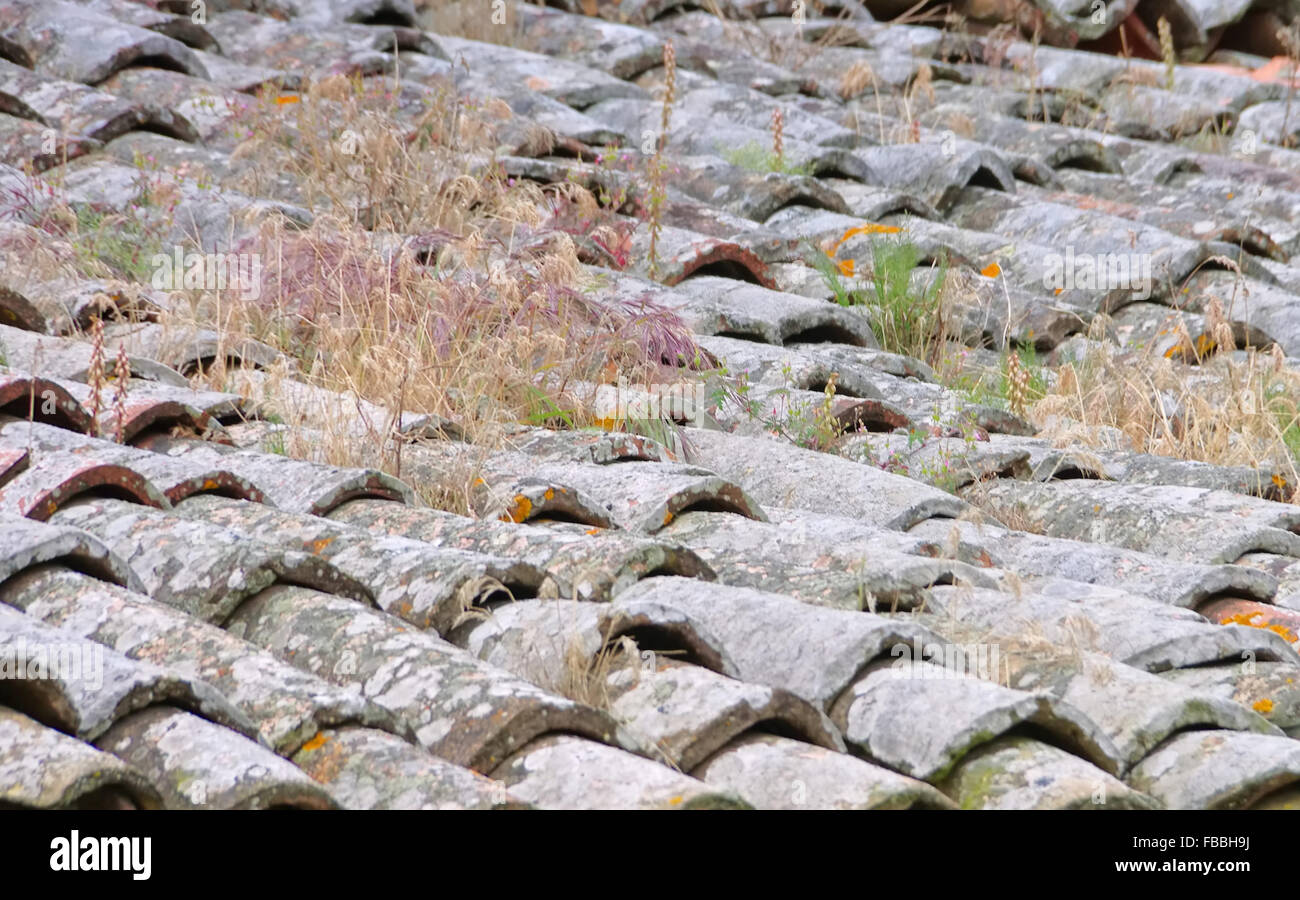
(521, 509)
(209, 485)
(675, 801)
(286, 99)
(317, 742)
(1263, 706)
(1204, 347)
(869, 228)
(846, 267)
(318, 545)
(550, 494)
(1248, 619)
(992, 270)
(1290, 636)
(668, 517)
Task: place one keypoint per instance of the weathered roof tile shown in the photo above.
(73, 775)
(288, 706)
(197, 765)
(461, 709)
(83, 688)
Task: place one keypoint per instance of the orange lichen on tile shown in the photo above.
(520, 510)
(1272, 72)
(317, 742)
(1248, 620)
(869, 228)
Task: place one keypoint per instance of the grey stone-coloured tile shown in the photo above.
(1218, 769)
(76, 43)
(463, 710)
(363, 768)
(1171, 581)
(27, 544)
(83, 688)
(1193, 525)
(687, 712)
(769, 639)
(566, 772)
(1130, 707)
(1016, 772)
(593, 564)
(195, 764)
(773, 772)
(73, 775)
(429, 587)
(920, 718)
(1127, 628)
(56, 357)
(287, 706)
(816, 566)
(201, 568)
(289, 484)
(175, 478)
(777, 473)
(1270, 689)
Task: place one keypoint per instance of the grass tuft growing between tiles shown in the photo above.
(1233, 409)
(910, 303)
(430, 282)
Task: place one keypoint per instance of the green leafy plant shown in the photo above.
(754, 157)
(904, 319)
(119, 242)
(907, 319)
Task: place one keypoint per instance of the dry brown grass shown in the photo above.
(1023, 641)
(1226, 411)
(498, 318)
(586, 677)
(428, 282)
